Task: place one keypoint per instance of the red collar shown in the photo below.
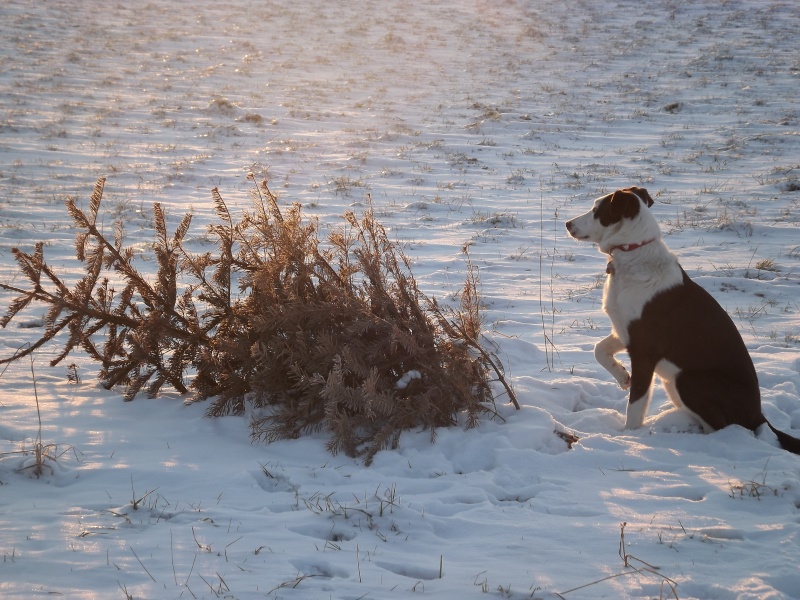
(629, 247)
(624, 248)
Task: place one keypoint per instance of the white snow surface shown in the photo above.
(476, 122)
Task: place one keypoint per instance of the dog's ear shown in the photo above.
(622, 204)
(643, 194)
(625, 204)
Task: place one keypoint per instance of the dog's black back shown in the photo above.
(686, 326)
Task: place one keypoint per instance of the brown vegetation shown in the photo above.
(332, 336)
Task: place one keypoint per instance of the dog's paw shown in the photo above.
(625, 383)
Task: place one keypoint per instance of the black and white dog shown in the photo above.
(669, 325)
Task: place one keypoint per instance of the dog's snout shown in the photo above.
(570, 225)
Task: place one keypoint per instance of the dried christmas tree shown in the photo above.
(330, 335)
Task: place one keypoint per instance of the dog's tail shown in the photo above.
(788, 442)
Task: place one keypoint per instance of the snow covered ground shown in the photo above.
(474, 122)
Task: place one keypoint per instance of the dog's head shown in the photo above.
(617, 219)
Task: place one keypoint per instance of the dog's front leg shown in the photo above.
(604, 352)
(641, 388)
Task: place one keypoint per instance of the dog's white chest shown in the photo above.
(629, 287)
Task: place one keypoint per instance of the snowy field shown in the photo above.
(476, 122)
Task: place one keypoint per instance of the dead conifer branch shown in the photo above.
(330, 334)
